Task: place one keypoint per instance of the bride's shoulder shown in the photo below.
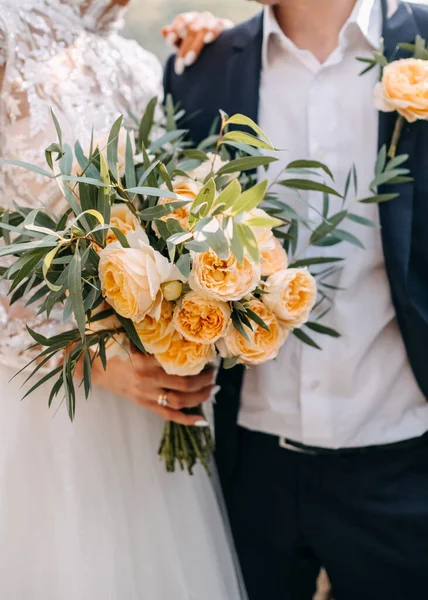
(132, 52)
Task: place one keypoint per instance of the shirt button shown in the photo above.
(315, 385)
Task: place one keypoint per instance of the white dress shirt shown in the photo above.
(359, 389)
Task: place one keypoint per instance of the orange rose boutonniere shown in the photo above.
(403, 86)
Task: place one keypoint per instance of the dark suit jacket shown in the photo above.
(227, 76)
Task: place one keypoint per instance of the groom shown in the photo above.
(330, 454)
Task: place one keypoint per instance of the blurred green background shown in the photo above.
(146, 17)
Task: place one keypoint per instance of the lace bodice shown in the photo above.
(65, 55)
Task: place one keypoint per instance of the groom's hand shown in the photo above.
(143, 381)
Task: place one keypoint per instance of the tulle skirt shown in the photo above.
(87, 511)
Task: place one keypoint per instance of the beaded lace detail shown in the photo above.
(65, 55)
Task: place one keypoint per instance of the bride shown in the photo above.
(86, 510)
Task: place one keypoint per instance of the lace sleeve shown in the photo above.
(3, 49)
(14, 337)
(15, 340)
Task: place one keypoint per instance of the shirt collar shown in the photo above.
(366, 17)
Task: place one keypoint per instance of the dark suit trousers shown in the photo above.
(364, 516)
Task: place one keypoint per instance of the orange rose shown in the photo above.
(156, 334)
(404, 89)
(184, 357)
(200, 319)
(187, 188)
(261, 345)
(131, 278)
(291, 296)
(224, 280)
(273, 260)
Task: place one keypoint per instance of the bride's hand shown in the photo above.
(190, 32)
(143, 381)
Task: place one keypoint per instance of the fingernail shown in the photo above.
(209, 37)
(183, 32)
(179, 66)
(216, 390)
(190, 58)
(171, 39)
(201, 424)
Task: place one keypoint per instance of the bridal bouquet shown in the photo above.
(166, 247)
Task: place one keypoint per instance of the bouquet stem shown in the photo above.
(186, 446)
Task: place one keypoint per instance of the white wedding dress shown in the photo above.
(87, 511)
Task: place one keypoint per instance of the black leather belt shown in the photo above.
(315, 451)
(287, 444)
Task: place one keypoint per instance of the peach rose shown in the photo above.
(224, 280)
(201, 319)
(404, 89)
(156, 334)
(291, 296)
(187, 188)
(273, 260)
(123, 219)
(131, 278)
(184, 357)
(264, 235)
(262, 345)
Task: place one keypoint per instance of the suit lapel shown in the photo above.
(396, 215)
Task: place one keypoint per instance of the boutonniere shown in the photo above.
(403, 86)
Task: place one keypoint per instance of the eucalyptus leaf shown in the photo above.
(161, 210)
(381, 161)
(304, 337)
(386, 177)
(75, 289)
(322, 329)
(376, 199)
(309, 185)
(310, 164)
(245, 138)
(327, 227)
(249, 242)
(194, 246)
(27, 167)
(184, 265)
(362, 220)
(168, 138)
(229, 195)
(146, 123)
(112, 148)
(129, 327)
(240, 119)
(130, 178)
(250, 199)
(321, 260)
(247, 163)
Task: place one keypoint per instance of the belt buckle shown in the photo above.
(284, 444)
